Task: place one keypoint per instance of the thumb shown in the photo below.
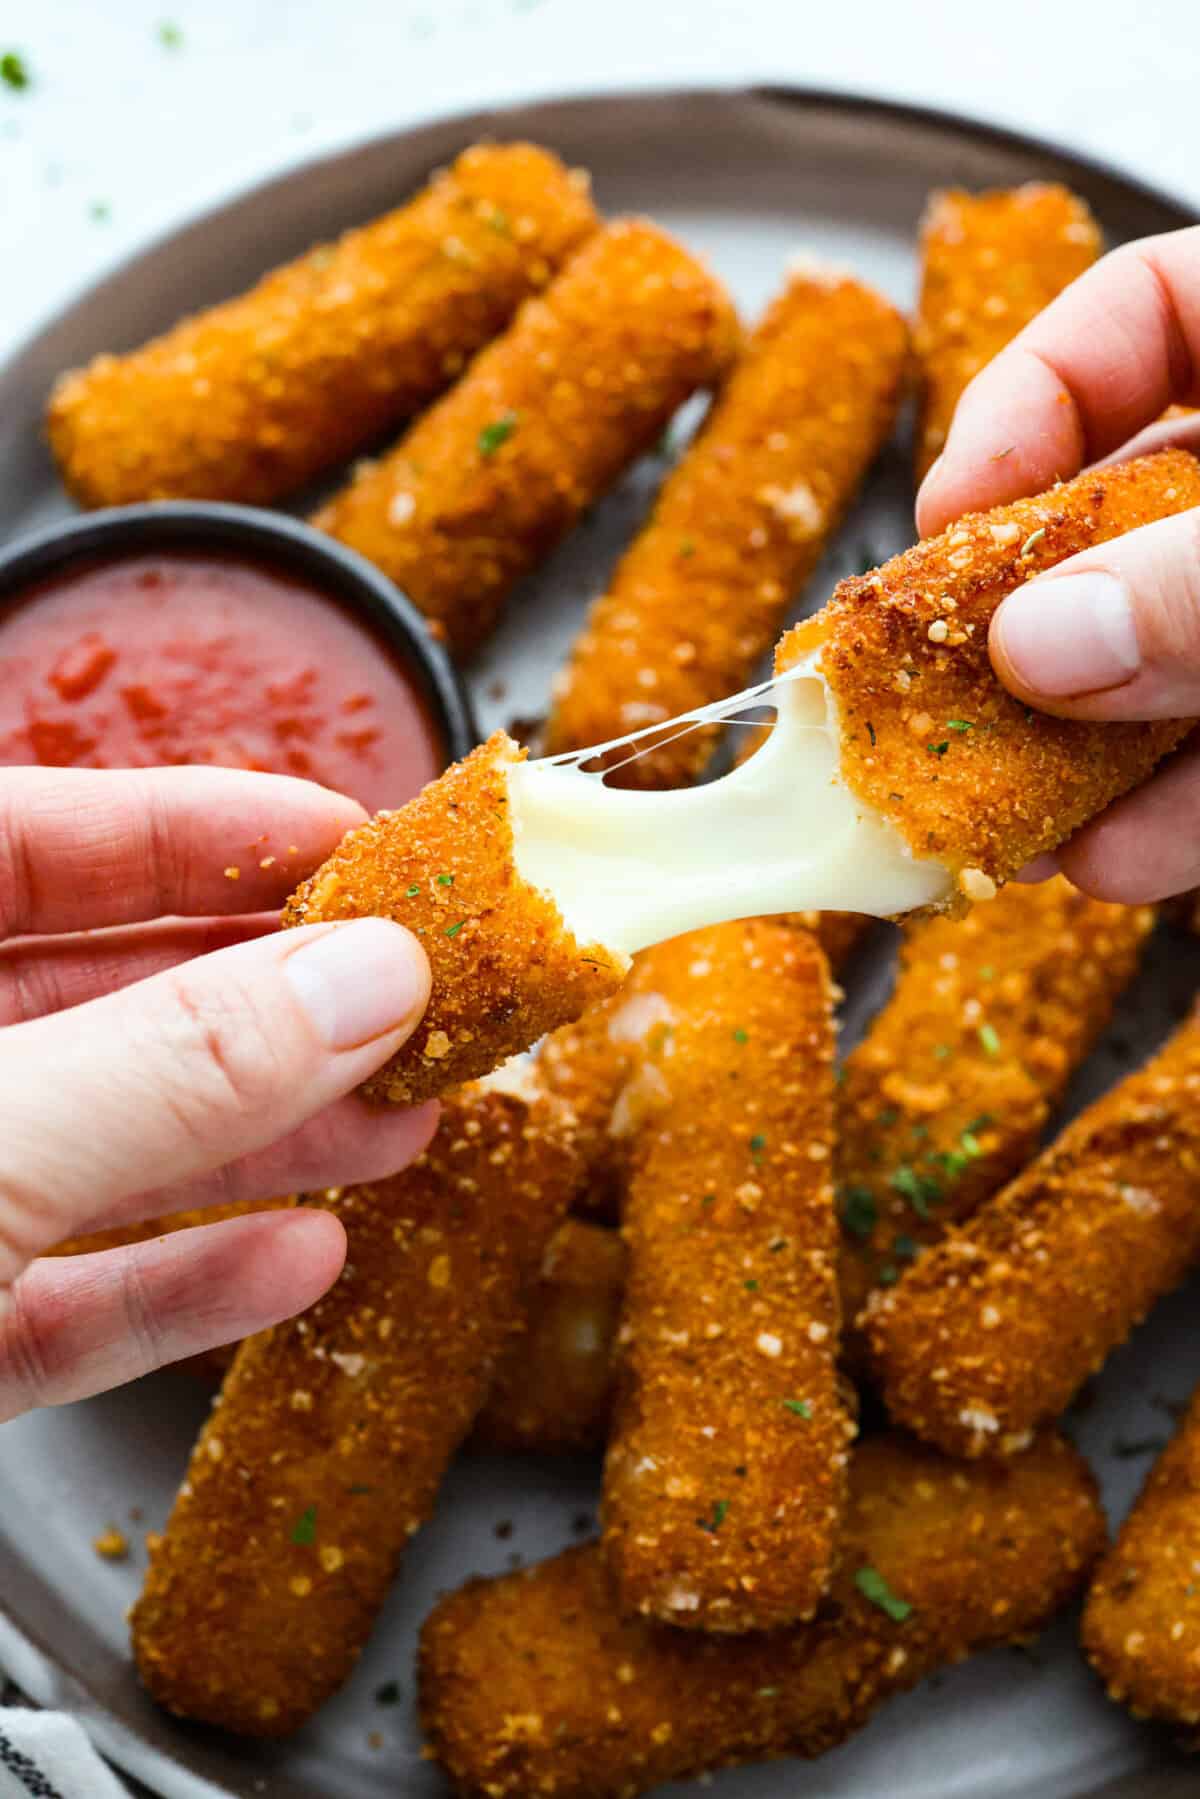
(1113, 633)
(184, 1072)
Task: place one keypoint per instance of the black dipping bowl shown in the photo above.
(263, 537)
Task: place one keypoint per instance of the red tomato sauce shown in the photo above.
(205, 658)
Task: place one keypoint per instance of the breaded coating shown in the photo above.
(738, 526)
(534, 1683)
(995, 1327)
(990, 262)
(967, 774)
(327, 1446)
(948, 1094)
(256, 396)
(726, 1469)
(1141, 1624)
(553, 1387)
(505, 967)
(590, 1062)
(543, 422)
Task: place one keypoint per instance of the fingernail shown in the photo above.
(363, 979)
(1042, 868)
(1070, 634)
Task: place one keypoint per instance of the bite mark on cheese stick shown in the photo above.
(930, 740)
(505, 967)
(254, 397)
(947, 1095)
(990, 262)
(534, 1683)
(725, 1475)
(739, 524)
(542, 423)
(995, 1328)
(328, 1443)
(1141, 1624)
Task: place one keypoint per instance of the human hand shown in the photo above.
(1113, 633)
(141, 1074)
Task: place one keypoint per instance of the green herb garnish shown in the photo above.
(1034, 538)
(100, 210)
(873, 1586)
(413, 890)
(801, 1407)
(859, 1211)
(454, 929)
(938, 749)
(960, 724)
(741, 1036)
(907, 1248)
(497, 433)
(920, 1190)
(445, 880)
(750, 1286)
(304, 1530)
(14, 71)
(758, 1144)
(989, 1039)
(719, 1513)
(169, 35)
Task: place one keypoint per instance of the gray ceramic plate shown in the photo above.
(746, 178)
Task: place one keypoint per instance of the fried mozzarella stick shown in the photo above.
(995, 1327)
(947, 1095)
(738, 526)
(328, 1443)
(535, 1683)
(553, 1386)
(583, 381)
(899, 774)
(929, 739)
(725, 1476)
(256, 396)
(989, 263)
(1141, 1624)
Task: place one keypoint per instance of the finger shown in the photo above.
(1101, 362)
(1147, 846)
(348, 1142)
(1113, 633)
(1179, 429)
(83, 846)
(192, 1069)
(72, 1327)
(40, 975)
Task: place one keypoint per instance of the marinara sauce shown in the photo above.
(205, 657)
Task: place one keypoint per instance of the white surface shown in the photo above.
(114, 119)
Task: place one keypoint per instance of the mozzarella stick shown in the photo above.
(553, 1386)
(1141, 1624)
(535, 1683)
(505, 967)
(725, 1474)
(328, 1443)
(928, 738)
(256, 396)
(948, 1094)
(738, 526)
(856, 800)
(994, 1328)
(490, 479)
(989, 263)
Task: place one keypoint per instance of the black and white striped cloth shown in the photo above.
(47, 1755)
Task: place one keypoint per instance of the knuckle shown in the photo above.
(139, 1317)
(232, 1063)
(28, 1353)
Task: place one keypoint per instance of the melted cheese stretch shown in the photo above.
(781, 833)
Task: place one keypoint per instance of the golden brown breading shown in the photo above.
(948, 1093)
(489, 480)
(1141, 1624)
(995, 1327)
(738, 526)
(929, 738)
(534, 1684)
(505, 967)
(725, 1475)
(990, 262)
(254, 397)
(327, 1446)
(553, 1387)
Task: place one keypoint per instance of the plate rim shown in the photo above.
(47, 1679)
